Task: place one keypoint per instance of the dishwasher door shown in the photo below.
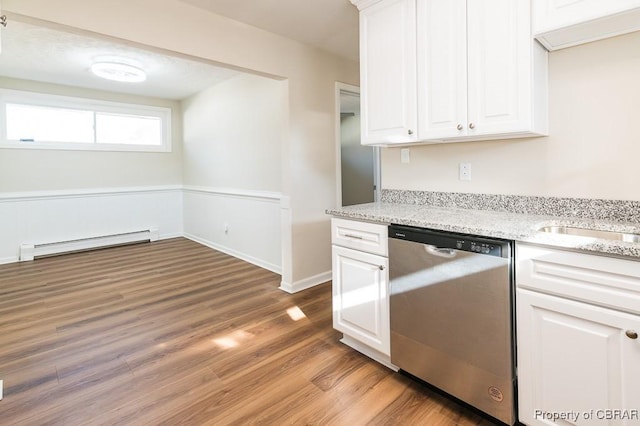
(451, 316)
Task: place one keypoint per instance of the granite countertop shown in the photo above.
(521, 227)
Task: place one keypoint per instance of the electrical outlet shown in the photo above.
(405, 157)
(465, 171)
(226, 228)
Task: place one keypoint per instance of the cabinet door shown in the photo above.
(553, 14)
(360, 297)
(576, 358)
(388, 72)
(442, 68)
(499, 67)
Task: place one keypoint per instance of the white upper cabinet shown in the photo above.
(470, 70)
(442, 67)
(480, 73)
(564, 23)
(388, 72)
(506, 72)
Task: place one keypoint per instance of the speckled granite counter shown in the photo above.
(521, 227)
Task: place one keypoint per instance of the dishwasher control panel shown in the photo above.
(485, 248)
(439, 239)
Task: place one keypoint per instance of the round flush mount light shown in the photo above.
(119, 72)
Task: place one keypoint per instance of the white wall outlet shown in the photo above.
(226, 228)
(465, 171)
(405, 157)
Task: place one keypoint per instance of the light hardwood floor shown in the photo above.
(176, 333)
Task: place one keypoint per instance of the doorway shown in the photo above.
(358, 166)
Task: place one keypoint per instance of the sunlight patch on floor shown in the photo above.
(232, 340)
(296, 313)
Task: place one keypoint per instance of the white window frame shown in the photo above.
(57, 101)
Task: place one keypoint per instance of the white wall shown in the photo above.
(233, 133)
(60, 195)
(308, 165)
(38, 170)
(593, 147)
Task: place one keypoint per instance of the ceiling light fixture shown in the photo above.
(118, 72)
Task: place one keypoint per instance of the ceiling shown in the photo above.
(49, 55)
(330, 25)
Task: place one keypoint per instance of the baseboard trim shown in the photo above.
(371, 353)
(231, 252)
(305, 283)
(169, 236)
(11, 259)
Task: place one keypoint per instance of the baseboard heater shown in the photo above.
(32, 251)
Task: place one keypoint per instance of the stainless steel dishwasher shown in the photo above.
(451, 312)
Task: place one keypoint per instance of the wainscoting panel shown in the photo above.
(53, 216)
(244, 224)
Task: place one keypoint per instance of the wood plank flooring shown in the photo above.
(176, 333)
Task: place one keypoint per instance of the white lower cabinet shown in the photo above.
(360, 287)
(360, 299)
(578, 363)
(576, 359)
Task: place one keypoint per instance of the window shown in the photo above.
(35, 123)
(33, 120)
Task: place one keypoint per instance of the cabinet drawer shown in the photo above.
(363, 236)
(598, 280)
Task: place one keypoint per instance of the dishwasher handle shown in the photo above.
(440, 252)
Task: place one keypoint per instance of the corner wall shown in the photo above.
(233, 133)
